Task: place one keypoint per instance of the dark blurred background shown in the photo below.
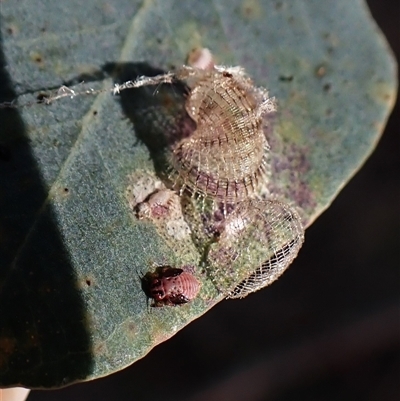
(329, 329)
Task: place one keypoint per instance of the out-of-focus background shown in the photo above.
(329, 329)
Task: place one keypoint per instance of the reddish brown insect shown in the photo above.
(170, 286)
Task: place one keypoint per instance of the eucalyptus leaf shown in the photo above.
(72, 251)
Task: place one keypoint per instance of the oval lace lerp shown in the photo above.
(225, 157)
(257, 242)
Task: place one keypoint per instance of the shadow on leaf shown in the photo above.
(43, 337)
(157, 112)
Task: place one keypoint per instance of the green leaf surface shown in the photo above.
(71, 250)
